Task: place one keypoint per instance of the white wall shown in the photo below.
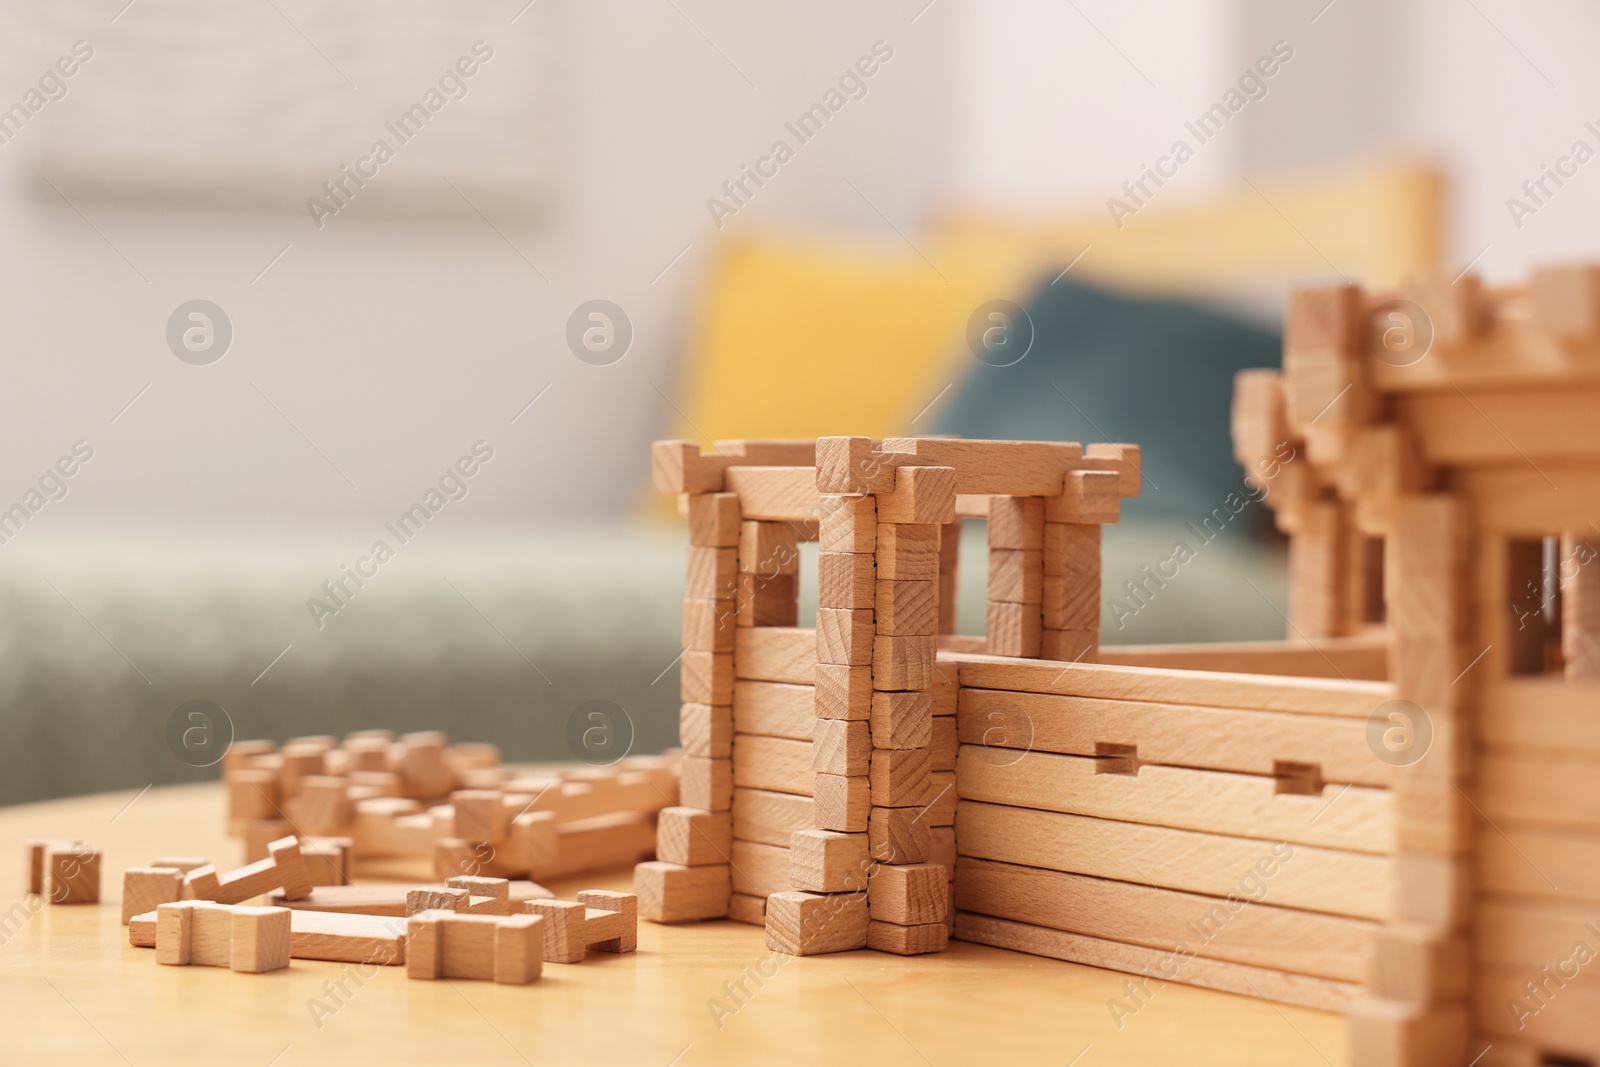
(393, 345)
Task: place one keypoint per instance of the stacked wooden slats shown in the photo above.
(1145, 818)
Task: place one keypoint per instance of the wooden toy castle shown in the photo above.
(1393, 814)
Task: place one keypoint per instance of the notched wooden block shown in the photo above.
(205, 933)
(600, 920)
(920, 495)
(146, 888)
(507, 949)
(1087, 497)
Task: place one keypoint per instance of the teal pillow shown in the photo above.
(1110, 367)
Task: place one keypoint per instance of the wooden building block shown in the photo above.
(669, 893)
(1016, 522)
(776, 654)
(507, 949)
(1070, 603)
(846, 580)
(72, 875)
(943, 744)
(480, 815)
(826, 861)
(254, 794)
(706, 677)
(907, 608)
(1127, 460)
(920, 495)
(787, 494)
(850, 465)
(841, 803)
(942, 847)
(907, 553)
(371, 939)
(768, 549)
(1404, 1033)
(902, 662)
(899, 835)
(1071, 549)
(1069, 646)
(325, 805)
(901, 720)
(1086, 497)
(843, 692)
(908, 940)
(841, 746)
(714, 520)
(761, 600)
(778, 763)
(486, 896)
(146, 888)
(809, 924)
(37, 848)
(708, 625)
(844, 636)
(679, 467)
(751, 910)
(387, 899)
(758, 869)
(284, 869)
(1566, 299)
(770, 817)
(940, 807)
(705, 730)
(909, 894)
(1013, 629)
(437, 898)
(900, 777)
(774, 709)
(205, 933)
(1016, 575)
(849, 524)
(692, 837)
(601, 920)
(711, 573)
(300, 760)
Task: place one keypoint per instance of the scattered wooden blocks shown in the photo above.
(600, 920)
(204, 933)
(507, 949)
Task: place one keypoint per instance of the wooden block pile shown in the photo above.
(417, 795)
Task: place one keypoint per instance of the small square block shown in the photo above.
(849, 524)
(909, 894)
(920, 495)
(841, 746)
(902, 719)
(72, 876)
(902, 662)
(843, 692)
(907, 553)
(705, 730)
(826, 861)
(714, 520)
(808, 924)
(844, 636)
(841, 803)
(693, 837)
(846, 580)
(900, 777)
(1087, 497)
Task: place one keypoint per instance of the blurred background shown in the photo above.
(795, 213)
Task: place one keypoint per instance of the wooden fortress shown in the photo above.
(1393, 814)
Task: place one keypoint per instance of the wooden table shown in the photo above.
(75, 992)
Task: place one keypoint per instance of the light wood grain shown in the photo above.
(1356, 818)
(1218, 689)
(776, 654)
(1338, 883)
(1249, 929)
(970, 1004)
(1175, 734)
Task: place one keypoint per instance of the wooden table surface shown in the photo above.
(75, 992)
